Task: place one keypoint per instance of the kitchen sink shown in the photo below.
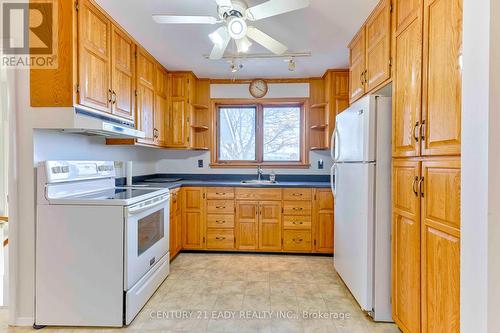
(257, 181)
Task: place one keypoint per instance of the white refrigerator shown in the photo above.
(361, 184)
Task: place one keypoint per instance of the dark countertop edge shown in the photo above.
(213, 180)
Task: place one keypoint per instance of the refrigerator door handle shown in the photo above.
(332, 144)
(336, 143)
(332, 179)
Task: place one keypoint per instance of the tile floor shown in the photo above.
(239, 293)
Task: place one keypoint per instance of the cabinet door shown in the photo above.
(270, 225)
(193, 219)
(357, 66)
(406, 245)
(247, 225)
(378, 46)
(94, 56)
(323, 221)
(441, 245)
(179, 88)
(406, 116)
(122, 75)
(160, 121)
(145, 96)
(178, 120)
(442, 78)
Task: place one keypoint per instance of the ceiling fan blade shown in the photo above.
(275, 7)
(221, 39)
(267, 41)
(224, 3)
(173, 19)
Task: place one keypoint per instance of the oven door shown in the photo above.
(146, 236)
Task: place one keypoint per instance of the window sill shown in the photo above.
(268, 165)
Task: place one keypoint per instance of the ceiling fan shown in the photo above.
(234, 14)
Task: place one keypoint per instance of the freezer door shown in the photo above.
(353, 234)
(354, 135)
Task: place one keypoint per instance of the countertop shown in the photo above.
(213, 183)
(211, 180)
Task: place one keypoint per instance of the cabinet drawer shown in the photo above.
(220, 206)
(297, 207)
(297, 222)
(296, 240)
(297, 194)
(220, 193)
(220, 221)
(258, 194)
(220, 239)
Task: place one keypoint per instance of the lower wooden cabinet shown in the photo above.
(175, 222)
(323, 221)
(193, 218)
(426, 244)
(251, 219)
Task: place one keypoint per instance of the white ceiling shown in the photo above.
(324, 29)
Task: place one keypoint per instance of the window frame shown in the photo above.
(259, 105)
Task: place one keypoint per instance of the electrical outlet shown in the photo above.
(320, 164)
(200, 163)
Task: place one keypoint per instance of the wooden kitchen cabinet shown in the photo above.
(94, 67)
(406, 298)
(175, 222)
(247, 225)
(161, 121)
(442, 78)
(270, 225)
(370, 53)
(193, 218)
(357, 66)
(123, 74)
(406, 108)
(146, 96)
(441, 245)
(324, 221)
(378, 46)
(181, 89)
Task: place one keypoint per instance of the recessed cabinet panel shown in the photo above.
(247, 225)
(123, 63)
(270, 225)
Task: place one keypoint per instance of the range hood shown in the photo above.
(80, 121)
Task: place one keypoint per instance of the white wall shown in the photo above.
(480, 234)
(4, 143)
(54, 145)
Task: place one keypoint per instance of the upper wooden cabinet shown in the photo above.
(146, 96)
(407, 80)
(357, 66)
(427, 89)
(378, 46)
(94, 68)
(161, 120)
(442, 77)
(122, 74)
(370, 53)
(182, 88)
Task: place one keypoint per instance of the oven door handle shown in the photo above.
(140, 208)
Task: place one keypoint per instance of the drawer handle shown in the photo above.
(297, 194)
(298, 240)
(220, 193)
(220, 221)
(220, 238)
(295, 222)
(298, 208)
(220, 207)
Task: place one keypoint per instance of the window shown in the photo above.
(260, 134)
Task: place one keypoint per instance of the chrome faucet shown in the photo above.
(260, 172)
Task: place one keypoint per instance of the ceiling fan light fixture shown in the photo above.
(237, 28)
(243, 45)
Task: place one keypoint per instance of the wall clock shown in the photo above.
(258, 88)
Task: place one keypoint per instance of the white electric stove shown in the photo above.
(101, 250)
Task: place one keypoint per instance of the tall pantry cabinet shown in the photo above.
(427, 43)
